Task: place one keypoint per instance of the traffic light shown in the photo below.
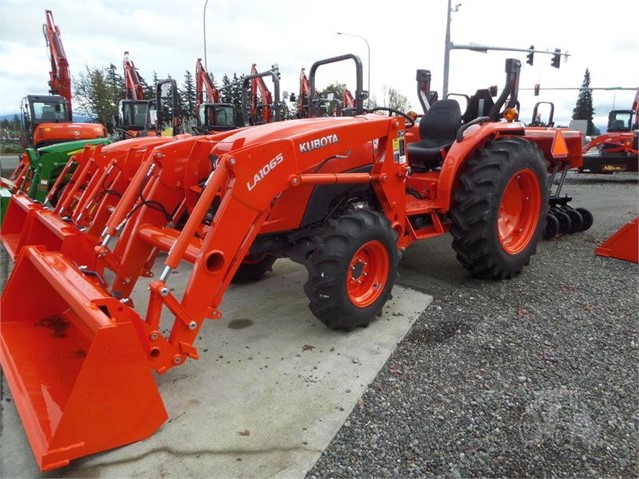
(556, 58)
(492, 90)
(531, 54)
(536, 89)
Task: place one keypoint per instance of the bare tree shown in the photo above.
(394, 99)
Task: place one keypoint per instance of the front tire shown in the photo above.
(253, 268)
(499, 208)
(352, 270)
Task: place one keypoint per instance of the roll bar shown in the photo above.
(360, 93)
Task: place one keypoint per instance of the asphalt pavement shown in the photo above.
(8, 161)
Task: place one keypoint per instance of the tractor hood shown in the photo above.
(310, 134)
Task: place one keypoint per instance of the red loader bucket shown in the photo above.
(624, 244)
(74, 360)
(28, 223)
(19, 211)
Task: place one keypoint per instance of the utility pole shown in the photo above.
(484, 49)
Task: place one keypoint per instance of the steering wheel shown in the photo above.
(409, 121)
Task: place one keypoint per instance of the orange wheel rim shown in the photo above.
(519, 211)
(254, 259)
(367, 274)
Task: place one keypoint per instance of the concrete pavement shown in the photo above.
(272, 387)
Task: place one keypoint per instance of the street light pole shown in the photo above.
(368, 47)
(204, 25)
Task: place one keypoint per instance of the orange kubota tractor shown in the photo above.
(342, 196)
(618, 148)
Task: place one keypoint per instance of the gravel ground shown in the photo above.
(532, 377)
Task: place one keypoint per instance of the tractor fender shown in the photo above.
(474, 138)
(322, 196)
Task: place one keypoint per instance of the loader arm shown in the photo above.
(245, 204)
(100, 177)
(614, 142)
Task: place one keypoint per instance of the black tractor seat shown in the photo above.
(479, 104)
(437, 130)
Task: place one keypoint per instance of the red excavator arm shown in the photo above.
(257, 84)
(212, 115)
(60, 75)
(132, 84)
(204, 84)
(347, 99)
(305, 92)
(134, 111)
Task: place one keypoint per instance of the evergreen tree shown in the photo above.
(288, 111)
(148, 90)
(152, 86)
(16, 124)
(188, 94)
(231, 92)
(331, 99)
(115, 83)
(583, 108)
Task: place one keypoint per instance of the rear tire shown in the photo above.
(499, 208)
(352, 270)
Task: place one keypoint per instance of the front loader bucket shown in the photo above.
(29, 223)
(74, 360)
(20, 209)
(624, 244)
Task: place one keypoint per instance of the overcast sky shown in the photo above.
(168, 37)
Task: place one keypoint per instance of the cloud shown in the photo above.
(167, 37)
